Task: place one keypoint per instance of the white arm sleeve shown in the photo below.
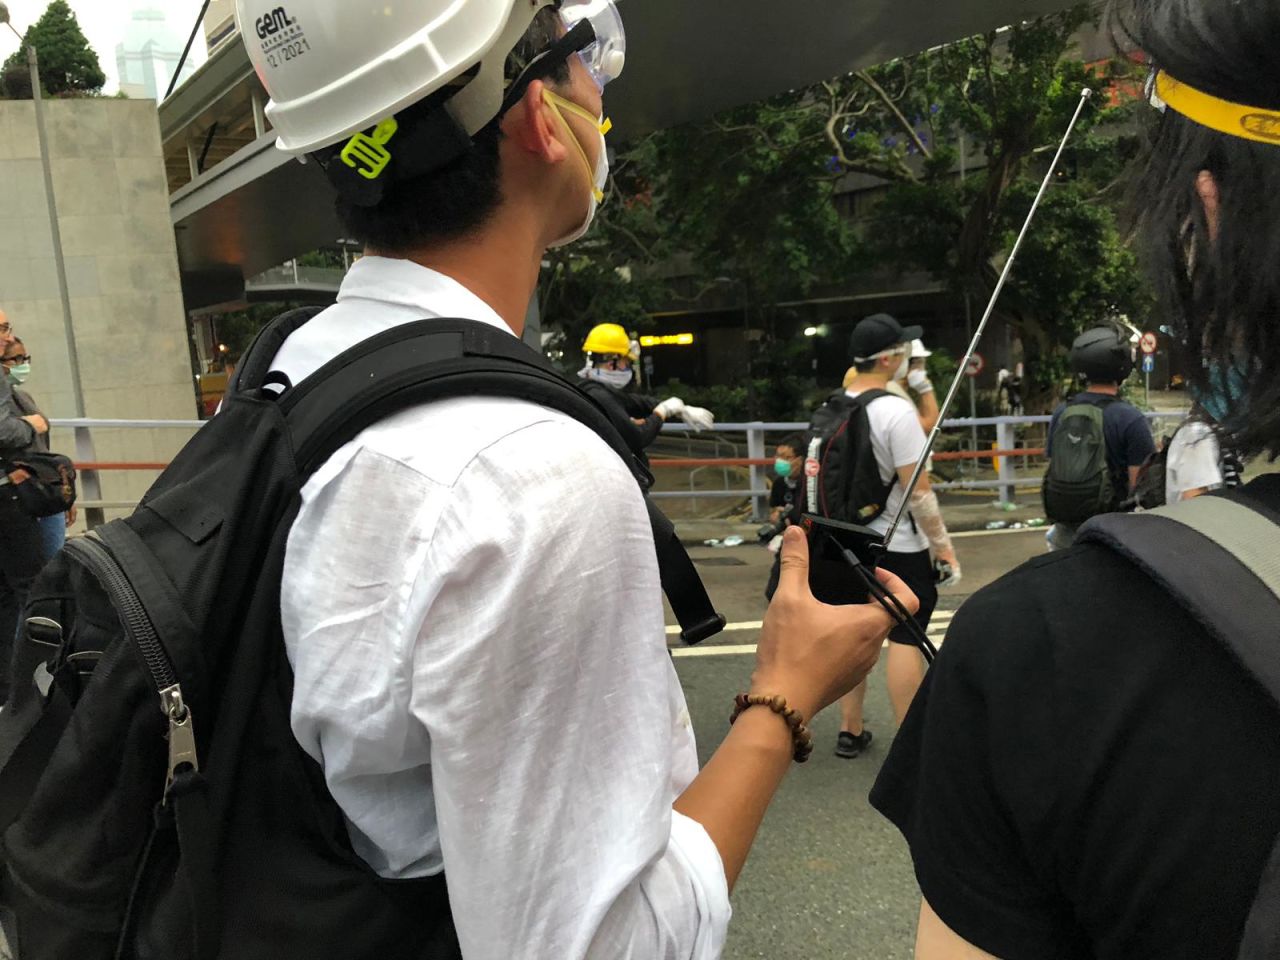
(928, 517)
(559, 733)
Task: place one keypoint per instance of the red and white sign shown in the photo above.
(812, 468)
(976, 365)
(1149, 343)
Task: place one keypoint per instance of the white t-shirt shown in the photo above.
(897, 440)
(1194, 461)
(472, 610)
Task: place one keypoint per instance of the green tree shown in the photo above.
(68, 65)
(1007, 96)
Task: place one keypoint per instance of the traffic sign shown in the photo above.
(1149, 343)
(1148, 364)
(976, 365)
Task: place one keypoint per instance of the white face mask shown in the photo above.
(903, 369)
(599, 176)
(614, 378)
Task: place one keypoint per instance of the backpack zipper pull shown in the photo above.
(182, 737)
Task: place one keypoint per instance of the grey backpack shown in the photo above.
(1191, 549)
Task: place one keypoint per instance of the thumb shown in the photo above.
(794, 576)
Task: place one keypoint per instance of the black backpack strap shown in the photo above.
(1193, 550)
(436, 359)
(255, 365)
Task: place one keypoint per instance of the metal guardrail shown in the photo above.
(1005, 451)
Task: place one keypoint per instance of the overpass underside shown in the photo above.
(239, 207)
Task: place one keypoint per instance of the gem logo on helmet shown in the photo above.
(272, 23)
(1262, 125)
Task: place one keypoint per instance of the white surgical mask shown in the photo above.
(599, 176)
(613, 378)
(903, 369)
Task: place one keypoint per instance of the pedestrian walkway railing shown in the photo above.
(1009, 458)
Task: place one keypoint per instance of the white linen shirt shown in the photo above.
(472, 610)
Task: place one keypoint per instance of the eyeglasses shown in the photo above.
(21, 358)
(6, 328)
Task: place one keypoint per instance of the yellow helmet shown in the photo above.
(608, 338)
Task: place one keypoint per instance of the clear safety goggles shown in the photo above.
(606, 54)
(593, 33)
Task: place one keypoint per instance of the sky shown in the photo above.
(104, 23)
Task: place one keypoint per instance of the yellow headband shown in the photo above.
(1233, 119)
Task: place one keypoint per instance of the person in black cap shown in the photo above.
(881, 350)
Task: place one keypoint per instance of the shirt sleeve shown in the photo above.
(15, 433)
(1139, 444)
(1194, 461)
(970, 751)
(559, 734)
(650, 428)
(905, 438)
(776, 498)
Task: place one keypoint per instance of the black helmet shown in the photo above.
(1103, 355)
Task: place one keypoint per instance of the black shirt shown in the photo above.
(1125, 433)
(787, 492)
(1085, 772)
(634, 406)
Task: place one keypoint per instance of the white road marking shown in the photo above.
(997, 533)
(939, 621)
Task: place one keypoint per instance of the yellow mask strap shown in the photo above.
(559, 104)
(1234, 119)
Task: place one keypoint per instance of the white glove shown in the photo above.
(952, 575)
(698, 418)
(918, 381)
(670, 407)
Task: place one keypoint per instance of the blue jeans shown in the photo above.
(53, 534)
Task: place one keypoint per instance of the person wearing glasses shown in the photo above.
(16, 363)
(22, 550)
(470, 596)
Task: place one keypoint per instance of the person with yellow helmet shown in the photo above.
(610, 369)
(488, 722)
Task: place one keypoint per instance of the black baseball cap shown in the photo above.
(879, 332)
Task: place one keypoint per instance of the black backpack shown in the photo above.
(843, 478)
(1079, 484)
(153, 800)
(1192, 549)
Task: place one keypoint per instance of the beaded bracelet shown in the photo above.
(801, 738)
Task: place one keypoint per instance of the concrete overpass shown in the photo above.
(239, 207)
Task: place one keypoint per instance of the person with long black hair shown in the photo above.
(1088, 771)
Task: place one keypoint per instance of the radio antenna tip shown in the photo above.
(1086, 93)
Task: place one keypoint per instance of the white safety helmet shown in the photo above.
(918, 350)
(334, 68)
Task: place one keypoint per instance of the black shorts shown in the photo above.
(834, 582)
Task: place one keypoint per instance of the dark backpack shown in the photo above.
(1218, 556)
(843, 477)
(1078, 484)
(153, 800)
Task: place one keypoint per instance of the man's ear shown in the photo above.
(532, 126)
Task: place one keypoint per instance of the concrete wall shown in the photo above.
(122, 269)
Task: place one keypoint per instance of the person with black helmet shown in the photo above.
(1097, 442)
(1091, 770)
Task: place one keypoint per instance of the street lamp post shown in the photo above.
(73, 357)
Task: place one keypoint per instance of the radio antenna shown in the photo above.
(1085, 95)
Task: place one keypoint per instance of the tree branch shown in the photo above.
(869, 80)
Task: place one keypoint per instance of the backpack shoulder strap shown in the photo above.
(436, 359)
(1194, 549)
(254, 366)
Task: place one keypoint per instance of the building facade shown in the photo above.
(148, 56)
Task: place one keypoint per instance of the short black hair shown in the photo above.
(456, 199)
(866, 366)
(797, 442)
(1223, 298)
